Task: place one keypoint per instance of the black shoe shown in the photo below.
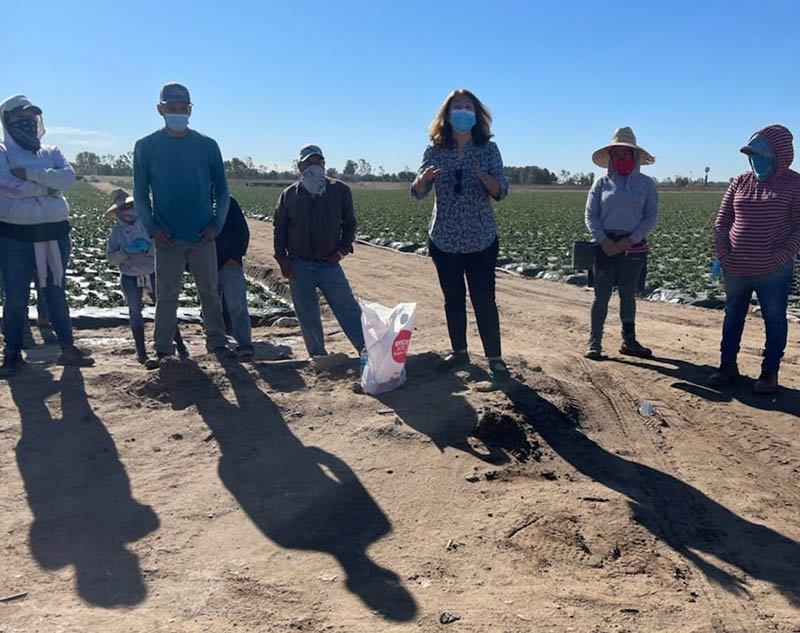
(635, 348)
(594, 353)
(453, 361)
(767, 382)
(154, 363)
(726, 374)
(499, 371)
(12, 363)
(74, 357)
(224, 353)
(245, 352)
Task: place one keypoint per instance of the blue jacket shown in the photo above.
(625, 205)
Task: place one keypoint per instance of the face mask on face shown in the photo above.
(763, 166)
(312, 179)
(623, 166)
(462, 120)
(177, 122)
(25, 132)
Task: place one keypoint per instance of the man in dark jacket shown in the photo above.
(232, 245)
(315, 227)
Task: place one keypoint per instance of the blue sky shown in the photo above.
(364, 79)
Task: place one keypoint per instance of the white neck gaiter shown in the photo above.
(312, 179)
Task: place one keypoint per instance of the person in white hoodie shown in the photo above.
(34, 230)
(131, 248)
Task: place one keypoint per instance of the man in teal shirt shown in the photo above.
(183, 169)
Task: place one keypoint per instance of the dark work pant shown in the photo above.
(622, 271)
(479, 271)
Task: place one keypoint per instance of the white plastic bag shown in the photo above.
(387, 333)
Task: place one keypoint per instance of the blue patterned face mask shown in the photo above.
(763, 167)
(462, 120)
(177, 122)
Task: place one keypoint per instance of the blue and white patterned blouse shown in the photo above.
(463, 219)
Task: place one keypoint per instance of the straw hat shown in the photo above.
(121, 198)
(622, 137)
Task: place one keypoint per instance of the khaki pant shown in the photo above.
(170, 263)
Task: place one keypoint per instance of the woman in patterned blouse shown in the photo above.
(466, 169)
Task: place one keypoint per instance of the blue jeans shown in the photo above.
(233, 296)
(133, 297)
(772, 290)
(18, 265)
(330, 279)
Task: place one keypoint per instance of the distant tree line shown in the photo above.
(89, 163)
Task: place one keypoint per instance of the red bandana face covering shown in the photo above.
(623, 166)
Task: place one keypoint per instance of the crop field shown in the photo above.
(538, 228)
(91, 280)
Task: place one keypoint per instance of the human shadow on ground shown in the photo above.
(432, 402)
(78, 490)
(300, 497)
(694, 378)
(677, 513)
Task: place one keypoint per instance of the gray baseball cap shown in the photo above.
(307, 151)
(174, 91)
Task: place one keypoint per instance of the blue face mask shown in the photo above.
(763, 167)
(177, 122)
(462, 120)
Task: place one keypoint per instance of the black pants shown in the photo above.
(622, 271)
(479, 270)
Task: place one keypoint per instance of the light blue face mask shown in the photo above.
(763, 166)
(177, 122)
(462, 120)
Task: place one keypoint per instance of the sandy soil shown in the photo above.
(266, 497)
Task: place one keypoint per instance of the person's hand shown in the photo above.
(609, 247)
(231, 263)
(20, 173)
(208, 235)
(427, 176)
(333, 259)
(162, 238)
(624, 244)
(287, 268)
(490, 183)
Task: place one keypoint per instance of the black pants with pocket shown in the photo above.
(479, 271)
(623, 271)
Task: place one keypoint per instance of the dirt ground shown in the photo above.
(266, 497)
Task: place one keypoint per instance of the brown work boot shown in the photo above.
(727, 373)
(767, 382)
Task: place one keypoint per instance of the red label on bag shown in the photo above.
(400, 346)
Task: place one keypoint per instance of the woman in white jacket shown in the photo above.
(34, 230)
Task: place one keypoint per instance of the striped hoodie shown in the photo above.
(757, 229)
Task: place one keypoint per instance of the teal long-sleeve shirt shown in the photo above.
(182, 173)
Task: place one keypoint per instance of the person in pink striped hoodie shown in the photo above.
(757, 237)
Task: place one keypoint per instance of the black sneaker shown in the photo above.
(74, 357)
(594, 353)
(12, 363)
(245, 352)
(453, 361)
(498, 370)
(224, 353)
(635, 348)
(153, 363)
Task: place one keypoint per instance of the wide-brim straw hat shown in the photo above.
(121, 199)
(622, 137)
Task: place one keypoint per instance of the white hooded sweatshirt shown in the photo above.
(34, 210)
